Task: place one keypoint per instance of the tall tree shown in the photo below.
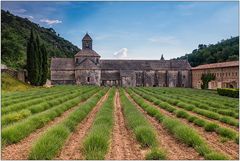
(31, 60)
(44, 64)
(39, 60)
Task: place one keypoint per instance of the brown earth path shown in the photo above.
(71, 149)
(211, 138)
(208, 119)
(123, 144)
(175, 149)
(20, 150)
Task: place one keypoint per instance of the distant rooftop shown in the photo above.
(217, 65)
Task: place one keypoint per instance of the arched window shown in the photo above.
(88, 79)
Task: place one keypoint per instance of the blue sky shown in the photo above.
(135, 30)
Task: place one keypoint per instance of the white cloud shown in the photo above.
(121, 54)
(21, 10)
(50, 22)
(28, 16)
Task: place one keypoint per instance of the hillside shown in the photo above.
(10, 84)
(16, 31)
(226, 50)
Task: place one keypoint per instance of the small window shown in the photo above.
(97, 60)
(183, 76)
(88, 79)
(76, 60)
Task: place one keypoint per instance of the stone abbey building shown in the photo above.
(86, 68)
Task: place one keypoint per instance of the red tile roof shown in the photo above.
(217, 65)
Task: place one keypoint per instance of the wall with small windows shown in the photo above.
(227, 77)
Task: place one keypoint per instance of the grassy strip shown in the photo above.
(96, 144)
(204, 96)
(24, 105)
(190, 107)
(208, 126)
(32, 92)
(181, 131)
(143, 130)
(40, 94)
(50, 143)
(195, 101)
(19, 115)
(14, 133)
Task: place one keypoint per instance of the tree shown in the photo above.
(44, 64)
(206, 78)
(32, 67)
(39, 60)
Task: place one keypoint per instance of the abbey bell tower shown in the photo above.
(87, 42)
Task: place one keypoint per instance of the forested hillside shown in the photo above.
(226, 50)
(16, 32)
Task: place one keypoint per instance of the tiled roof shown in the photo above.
(87, 64)
(87, 53)
(217, 65)
(69, 64)
(62, 64)
(87, 37)
(143, 64)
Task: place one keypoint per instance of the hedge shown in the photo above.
(229, 92)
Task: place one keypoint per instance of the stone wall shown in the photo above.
(88, 77)
(20, 74)
(224, 77)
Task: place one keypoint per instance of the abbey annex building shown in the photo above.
(86, 68)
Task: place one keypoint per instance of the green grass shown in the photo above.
(10, 84)
(156, 154)
(142, 129)
(222, 131)
(181, 131)
(15, 132)
(210, 127)
(46, 147)
(96, 144)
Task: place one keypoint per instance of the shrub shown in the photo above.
(191, 118)
(216, 156)
(182, 114)
(41, 148)
(52, 140)
(225, 132)
(146, 136)
(210, 127)
(199, 122)
(156, 154)
(229, 120)
(229, 92)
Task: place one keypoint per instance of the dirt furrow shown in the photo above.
(71, 149)
(20, 150)
(212, 139)
(123, 145)
(174, 148)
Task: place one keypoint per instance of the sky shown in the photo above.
(135, 30)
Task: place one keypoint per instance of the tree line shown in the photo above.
(37, 60)
(226, 50)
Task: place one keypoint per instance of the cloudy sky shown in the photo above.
(135, 30)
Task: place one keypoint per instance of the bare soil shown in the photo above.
(175, 149)
(123, 144)
(72, 148)
(229, 148)
(20, 150)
